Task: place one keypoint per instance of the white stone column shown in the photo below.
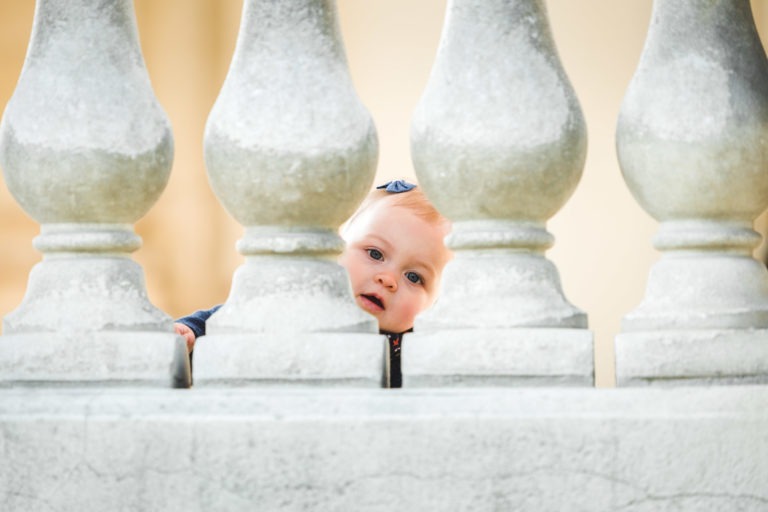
(692, 141)
(291, 151)
(86, 150)
(498, 143)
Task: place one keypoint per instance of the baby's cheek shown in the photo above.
(416, 306)
(427, 299)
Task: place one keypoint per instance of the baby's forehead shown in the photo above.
(397, 221)
(367, 214)
(380, 219)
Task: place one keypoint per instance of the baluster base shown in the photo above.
(692, 357)
(700, 290)
(289, 359)
(290, 294)
(500, 288)
(499, 357)
(85, 359)
(81, 292)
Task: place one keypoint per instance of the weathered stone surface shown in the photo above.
(290, 295)
(290, 151)
(692, 141)
(500, 288)
(288, 142)
(639, 450)
(692, 357)
(499, 357)
(498, 142)
(83, 138)
(86, 150)
(86, 294)
(288, 358)
(691, 132)
(495, 137)
(72, 358)
(702, 290)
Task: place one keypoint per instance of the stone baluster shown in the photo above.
(290, 152)
(692, 141)
(498, 143)
(86, 150)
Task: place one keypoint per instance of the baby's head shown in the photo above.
(395, 256)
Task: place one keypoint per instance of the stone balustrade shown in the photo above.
(86, 150)
(692, 147)
(499, 144)
(498, 410)
(290, 152)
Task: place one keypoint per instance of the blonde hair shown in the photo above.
(413, 200)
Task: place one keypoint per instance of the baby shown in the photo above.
(394, 256)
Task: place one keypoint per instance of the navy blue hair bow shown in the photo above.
(397, 186)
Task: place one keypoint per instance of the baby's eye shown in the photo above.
(414, 278)
(375, 254)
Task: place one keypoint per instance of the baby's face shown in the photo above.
(394, 259)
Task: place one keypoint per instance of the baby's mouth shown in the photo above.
(374, 299)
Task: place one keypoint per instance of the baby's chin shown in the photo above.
(395, 326)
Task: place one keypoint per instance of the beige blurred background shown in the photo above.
(603, 239)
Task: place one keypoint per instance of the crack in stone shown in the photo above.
(693, 495)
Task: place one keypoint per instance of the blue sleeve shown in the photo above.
(196, 321)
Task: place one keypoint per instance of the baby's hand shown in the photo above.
(188, 334)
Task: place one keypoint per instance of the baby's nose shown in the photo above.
(387, 280)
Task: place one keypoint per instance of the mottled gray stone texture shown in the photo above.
(290, 151)
(86, 150)
(692, 141)
(84, 139)
(692, 357)
(544, 449)
(498, 143)
(499, 357)
(99, 359)
(348, 359)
